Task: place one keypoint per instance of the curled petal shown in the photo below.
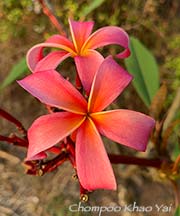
(80, 31)
(52, 89)
(126, 127)
(93, 167)
(35, 54)
(49, 129)
(51, 61)
(109, 81)
(106, 36)
(59, 39)
(87, 65)
(39, 156)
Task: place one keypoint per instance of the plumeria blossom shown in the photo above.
(81, 48)
(87, 119)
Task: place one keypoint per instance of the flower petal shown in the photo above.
(80, 31)
(39, 156)
(109, 81)
(87, 65)
(59, 39)
(35, 54)
(49, 129)
(106, 36)
(126, 127)
(52, 89)
(93, 167)
(51, 61)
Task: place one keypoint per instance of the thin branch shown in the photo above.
(40, 167)
(50, 166)
(15, 140)
(123, 159)
(172, 110)
(176, 165)
(52, 17)
(167, 133)
(13, 120)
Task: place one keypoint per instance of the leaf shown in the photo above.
(177, 213)
(19, 69)
(143, 66)
(176, 151)
(90, 7)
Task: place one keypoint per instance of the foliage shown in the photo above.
(177, 213)
(90, 7)
(173, 61)
(16, 72)
(12, 14)
(143, 66)
(151, 21)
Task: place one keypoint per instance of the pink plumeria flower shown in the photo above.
(126, 127)
(82, 49)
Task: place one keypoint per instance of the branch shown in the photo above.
(123, 159)
(13, 120)
(51, 16)
(40, 167)
(173, 109)
(14, 140)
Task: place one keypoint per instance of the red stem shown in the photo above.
(10, 118)
(49, 166)
(123, 159)
(14, 140)
(52, 18)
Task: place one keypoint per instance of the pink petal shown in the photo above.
(87, 65)
(80, 31)
(51, 61)
(39, 156)
(49, 129)
(59, 39)
(106, 36)
(108, 83)
(126, 127)
(52, 89)
(35, 54)
(93, 167)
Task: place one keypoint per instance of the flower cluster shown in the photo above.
(81, 117)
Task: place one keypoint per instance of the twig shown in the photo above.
(167, 134)
(176, 165)
(123, 159)
(50, 166)
(13, 120)
(14, 140)
(172, 110)
(51, 16)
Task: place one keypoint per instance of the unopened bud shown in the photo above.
(84, 197)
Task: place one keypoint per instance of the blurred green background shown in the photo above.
(23, 24)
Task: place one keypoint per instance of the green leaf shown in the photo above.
(19, 69)
(176, 151)
(90, 7)
(143, 66)
(177, 213)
